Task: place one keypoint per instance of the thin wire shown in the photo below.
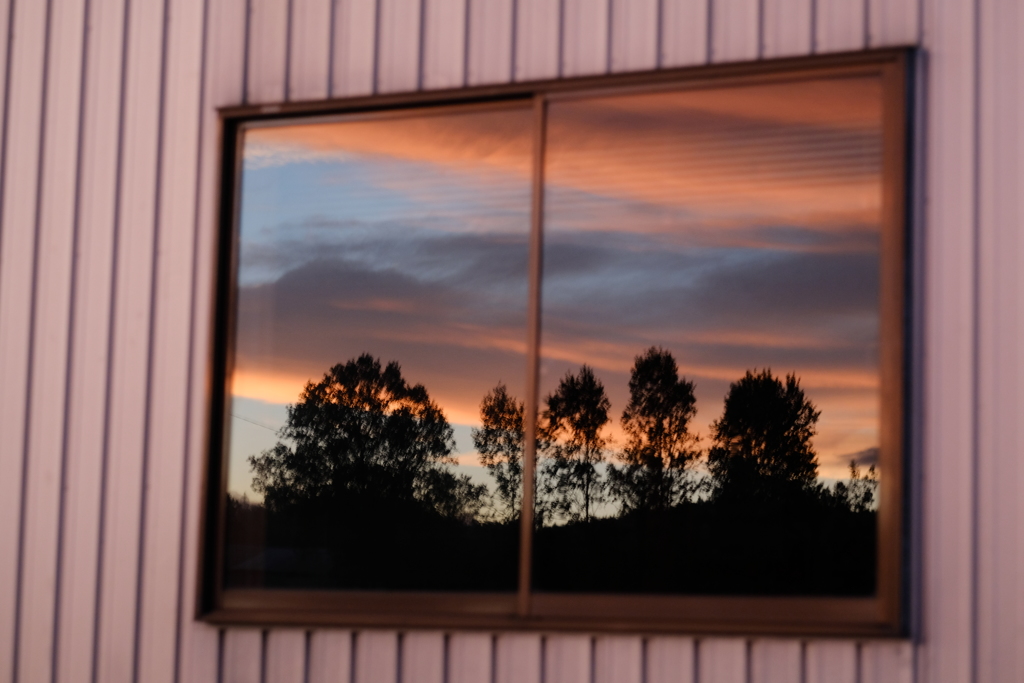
(258, 424)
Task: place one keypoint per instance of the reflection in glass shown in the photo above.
(376, 429)
(709, 360)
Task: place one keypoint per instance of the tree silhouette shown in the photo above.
(659, 446)
(571, 428)
(499, 442)
(363, 430)
(762, 443)
(858, 494)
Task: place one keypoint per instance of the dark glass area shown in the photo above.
(381, 297)
(709, 400)
(713, 548)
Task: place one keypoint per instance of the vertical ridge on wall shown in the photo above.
(129, 390)
(517, 658)
(354, 41)
(243, 657)
(489, 43)
(684, 32)
(330, 656)
(840, 25)
(670, 659)
(166, 446)
(585, 37)
(735, 30)
(223, 83)
(55, 224)
(10, 487)
(444, 43)
(285, 657)
(309, 45)
(830, 661)
(90, 339)
(267, 58)
(776, 661)
(21, 162)
(423, 657)
(1000, 586)
(949, 354)
(6, 29)
(618, 659)
(886, 662)
(399, 34)
(469, 658)
(721, 660)
(786, 28)
(568, 658)
(538, 33)
(634, 35)
(375, 657)
(894, 22)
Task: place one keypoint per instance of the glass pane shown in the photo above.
(381, 302)
(710, 351)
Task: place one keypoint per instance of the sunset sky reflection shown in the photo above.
(736, 227)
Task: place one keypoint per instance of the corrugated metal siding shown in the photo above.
(108, 192)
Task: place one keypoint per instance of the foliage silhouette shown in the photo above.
(364, 430)
(499, 441)
(770, 527)
(359, 493)
(762, 442)
(858, 494)
(360, 490)
(659, 446)
(570, 433)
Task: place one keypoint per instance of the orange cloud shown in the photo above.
(495, 137)
(279, 387)
(618, 357)
(848, 403)
(846, 103)
(267, 385)
(797, 152)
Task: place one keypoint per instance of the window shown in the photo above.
(612, 353)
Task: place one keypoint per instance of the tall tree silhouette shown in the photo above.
(363, 430)
(499, 441)
(576, 414)
(659, 445)
(762, 443)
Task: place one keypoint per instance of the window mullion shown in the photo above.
(532, 356)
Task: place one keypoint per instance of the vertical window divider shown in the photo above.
(532, 358)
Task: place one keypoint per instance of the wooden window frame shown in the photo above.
(882, 615)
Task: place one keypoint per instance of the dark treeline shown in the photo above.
(362, 495)
(760, 453)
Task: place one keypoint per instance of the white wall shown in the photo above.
(108, 185)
